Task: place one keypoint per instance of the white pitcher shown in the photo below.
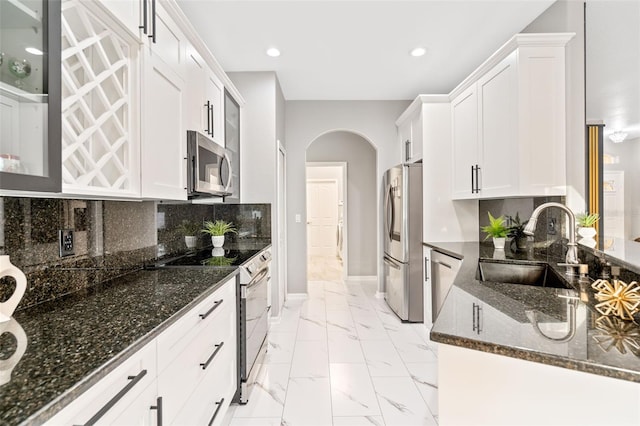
(9, 270)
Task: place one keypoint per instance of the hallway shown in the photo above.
(342, 357)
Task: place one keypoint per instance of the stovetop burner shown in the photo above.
(220, 257)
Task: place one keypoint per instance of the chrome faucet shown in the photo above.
(572, 249)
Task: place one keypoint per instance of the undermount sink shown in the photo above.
(536, 274)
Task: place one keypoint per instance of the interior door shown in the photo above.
(322, 217)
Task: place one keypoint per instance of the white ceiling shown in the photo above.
(359, 50)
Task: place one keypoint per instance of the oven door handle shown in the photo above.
(256, 280)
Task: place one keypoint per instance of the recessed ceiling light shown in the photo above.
(273, 52)
(618, 136)
(34, 51)
(418, 51)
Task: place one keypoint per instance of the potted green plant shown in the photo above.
(516, 233)
(586, 222)
(217, 230)
(497, 229)
(190, 231)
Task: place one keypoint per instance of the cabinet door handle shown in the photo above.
(208, 106)
(143, 27)
(205, 364)
(153, 21)
(213, 308)
(215, 413)
(113, 401)
(473, 184)
(426, 268)
(476, 318)
(407, 150)
(477, 179)
(212, 122)
(158, 407)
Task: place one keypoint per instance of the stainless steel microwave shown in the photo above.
(209, 167)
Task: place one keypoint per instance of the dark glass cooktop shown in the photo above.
(210, 257)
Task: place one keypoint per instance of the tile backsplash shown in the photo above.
(551, 223)
(252, 221)
(111, 238)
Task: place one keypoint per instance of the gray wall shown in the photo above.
(306, 121)
(263, 118)
(360, 157)
(568, 16)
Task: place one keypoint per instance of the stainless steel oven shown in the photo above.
(253, 321)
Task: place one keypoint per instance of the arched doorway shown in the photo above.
(341, 207)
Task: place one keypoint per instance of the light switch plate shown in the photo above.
(65, 240)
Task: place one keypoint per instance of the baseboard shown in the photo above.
(276, 320)
(299, 296)
(380, 294)
(362, 278)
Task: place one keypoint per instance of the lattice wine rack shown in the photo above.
(100, 80)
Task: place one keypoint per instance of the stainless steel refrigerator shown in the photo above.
(403, 241)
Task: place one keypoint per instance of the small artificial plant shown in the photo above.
(218, 228)
(586, 220)
(497, 227)
(516, 229)
(188, 228)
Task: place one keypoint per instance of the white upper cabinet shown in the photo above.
(410, 135)
(135, 78)
(508, 122)
(464, 122)
(205, 102)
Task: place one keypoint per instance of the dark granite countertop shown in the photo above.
(600, 345)
(74, 341)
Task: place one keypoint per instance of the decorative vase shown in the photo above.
(217, 240)
(498, 243)
(9, 270)
(191, 241)
(588, 232)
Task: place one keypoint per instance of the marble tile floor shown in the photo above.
(324, 268)
(342, 357)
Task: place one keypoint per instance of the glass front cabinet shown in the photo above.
(30, 125)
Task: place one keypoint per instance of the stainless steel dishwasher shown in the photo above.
(444, 269)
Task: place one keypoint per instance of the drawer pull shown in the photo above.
(204, 365)
(158, 407)
(213, 308)
(134, 379)
(215, 413)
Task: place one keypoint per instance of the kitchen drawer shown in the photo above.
(137, 373)
(178, 336)
(208, 350)
(213, 393)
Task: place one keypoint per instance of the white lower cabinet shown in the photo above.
(121, 393)
(186, 376)
(193, 359)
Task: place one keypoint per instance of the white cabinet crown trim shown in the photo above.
(518, 40)
(418, 102)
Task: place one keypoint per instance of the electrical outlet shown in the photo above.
(65, 240)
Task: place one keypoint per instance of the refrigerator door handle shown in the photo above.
(391, 262)
(390, 213)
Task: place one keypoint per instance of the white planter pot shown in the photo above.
(587, 232)
(498, 243)
(217, 241)
(191, 241)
